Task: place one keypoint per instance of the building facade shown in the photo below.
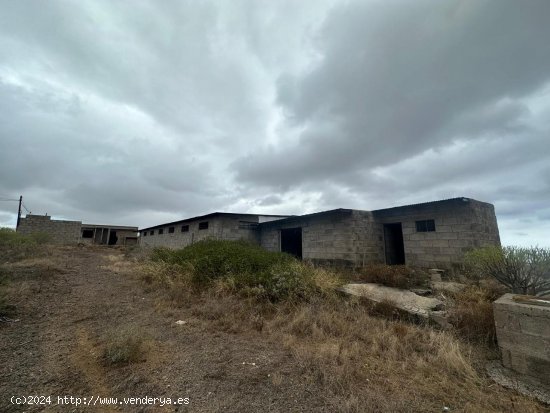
(218, 225)
(433, 234)
(75, 232)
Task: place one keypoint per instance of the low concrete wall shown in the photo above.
(523, 333)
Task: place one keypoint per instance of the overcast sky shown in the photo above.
(142, 112)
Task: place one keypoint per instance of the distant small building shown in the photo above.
(75, 232)
(432, 234)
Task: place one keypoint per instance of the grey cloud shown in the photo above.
(270, 200)
(397, 79)
(147, 113)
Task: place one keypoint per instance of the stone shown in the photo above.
(435, 277)
(421, 291)
(440, 318)
(435, 274)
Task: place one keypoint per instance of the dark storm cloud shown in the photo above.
(142, 112)
(119, 109)
(398, 78)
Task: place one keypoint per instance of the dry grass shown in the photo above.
(16, 277)
(472, 315)
(365, 363)
(125, 345)
(352, 357)
(398, 276)
(359, 362)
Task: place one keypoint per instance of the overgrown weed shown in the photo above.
(125, 345)
(356, 359)
(397, 276)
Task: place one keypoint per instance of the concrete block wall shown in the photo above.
(59, 232)
(219, 227)
(326, 240)
(460, 225)
(523, 334)
(125, 236)
(368, 238)
(339, 238)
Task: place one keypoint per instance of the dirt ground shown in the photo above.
(66, 312)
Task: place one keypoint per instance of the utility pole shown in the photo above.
(19, 211)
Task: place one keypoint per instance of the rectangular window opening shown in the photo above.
(427, 225)
(185, 228)
(203, 225)
(87, 233)
(161, 231)
(171, 230)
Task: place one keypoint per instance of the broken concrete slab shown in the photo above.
(404, 300)
(424, 292)
(448, 286)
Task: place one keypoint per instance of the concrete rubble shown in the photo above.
(404, 300)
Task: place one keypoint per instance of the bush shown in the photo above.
(398, 276)
(124, 346)
(14, 246)
(523, 270)
(10, 238)
(247, 268)
(472, 314)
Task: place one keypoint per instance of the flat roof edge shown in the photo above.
(212, 214)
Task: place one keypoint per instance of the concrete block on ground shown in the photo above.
(523, 333)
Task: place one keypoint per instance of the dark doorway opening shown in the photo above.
(291, 241)
(393, 239)
(113, 238)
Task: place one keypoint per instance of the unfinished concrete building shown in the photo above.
(432, 234)
(75, 232)
(108, 234)
(218, 225)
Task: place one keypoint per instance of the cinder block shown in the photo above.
(523, 333)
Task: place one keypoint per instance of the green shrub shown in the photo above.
(523, 270)
(10, 238)
(246, 268)
(398, 276)
(14, 246)
(213, 259)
